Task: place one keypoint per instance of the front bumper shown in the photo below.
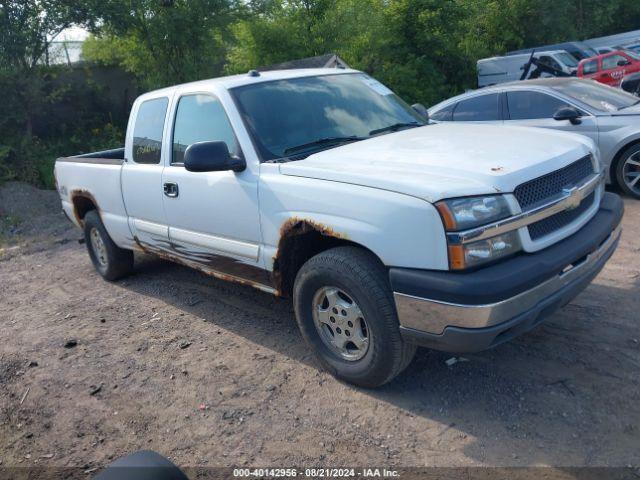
(469, 312)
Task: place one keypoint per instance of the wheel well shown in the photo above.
(83, 202)
(299, 241)
(616, 158)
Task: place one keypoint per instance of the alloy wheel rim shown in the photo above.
(98, 247)
(631, 172)
(341, 323)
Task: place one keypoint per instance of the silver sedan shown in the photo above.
(607, 115)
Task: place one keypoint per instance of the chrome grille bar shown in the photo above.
(566, 200)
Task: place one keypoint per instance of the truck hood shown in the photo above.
(446, 160)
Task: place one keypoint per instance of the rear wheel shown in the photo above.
(628, 171)
(346, 313)
(111, 261)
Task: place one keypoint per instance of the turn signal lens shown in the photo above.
(456, 257)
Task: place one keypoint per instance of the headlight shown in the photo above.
(464, 213)
(468, 213)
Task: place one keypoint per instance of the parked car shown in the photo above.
(610, 117)
(610, 68)
(324, 186)
(579, 50)
(509, 68)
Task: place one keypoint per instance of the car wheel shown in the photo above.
(346, 313)
(628, 171)
(111, 261)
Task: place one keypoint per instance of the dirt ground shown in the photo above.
(215, 374)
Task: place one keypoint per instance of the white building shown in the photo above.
(66, 47)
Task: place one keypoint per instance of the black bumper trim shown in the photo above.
(469, 340)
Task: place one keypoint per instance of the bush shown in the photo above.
(71, 114)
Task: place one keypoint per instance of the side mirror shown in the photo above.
(568, 113)
(211, 157)
(421, 110)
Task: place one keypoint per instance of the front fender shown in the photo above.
(402, 230)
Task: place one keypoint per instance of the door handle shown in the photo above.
(170, 189)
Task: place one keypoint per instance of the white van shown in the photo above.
(510, 67)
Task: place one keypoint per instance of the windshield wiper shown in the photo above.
(395, 127)
(322, 142)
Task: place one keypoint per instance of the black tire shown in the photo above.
(115, 262)
(619, 171)
(364, 279)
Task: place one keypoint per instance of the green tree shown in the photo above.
(162, 42)
(27, 28)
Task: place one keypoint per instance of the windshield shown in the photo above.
(568, 59)
(584, 50)
(597, 95)
(311, 113)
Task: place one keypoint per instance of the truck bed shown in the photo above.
(92, 180)
(114, 156)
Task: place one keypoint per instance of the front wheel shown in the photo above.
(628, 171)
(346, 313)
(111, 261)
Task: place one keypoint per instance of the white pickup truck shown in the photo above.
(324, 186)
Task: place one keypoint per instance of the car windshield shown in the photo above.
(307, 114)
(568, 59)
(598, 96)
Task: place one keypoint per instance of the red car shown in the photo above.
(611, 67)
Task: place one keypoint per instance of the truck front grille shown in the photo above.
(545, 188)
(556, 222)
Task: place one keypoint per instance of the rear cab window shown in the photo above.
(147, 131)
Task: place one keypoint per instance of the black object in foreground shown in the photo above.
(142, 465)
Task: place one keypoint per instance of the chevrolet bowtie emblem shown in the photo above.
(573, 197)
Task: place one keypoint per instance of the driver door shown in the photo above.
(213, 217)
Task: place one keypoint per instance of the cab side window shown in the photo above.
(590, 67)
(482, 108)
(528, 105)
(147, 132)
(201, 118)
